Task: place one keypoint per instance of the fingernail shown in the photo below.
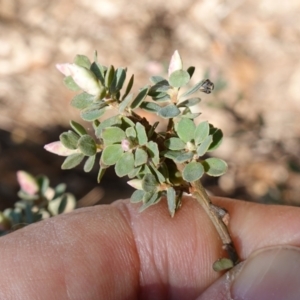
(271, 273)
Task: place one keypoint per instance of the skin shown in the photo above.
(114, 252)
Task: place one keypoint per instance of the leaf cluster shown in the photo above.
(159, 164)
(37, 201)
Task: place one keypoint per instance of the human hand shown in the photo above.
(114, 252)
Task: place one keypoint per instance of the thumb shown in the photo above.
(270, 273)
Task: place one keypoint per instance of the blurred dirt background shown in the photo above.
(249, 48)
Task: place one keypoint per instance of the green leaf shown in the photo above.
(157, 79)
(59, 190)
(201, 132)
(112, 135)
(109, 76)
(141, 134)
(118, 81)
(152, 129)
(140, 97)
(169, 111)
(98, 70)
(82, 61)
(127, 122)
(88, 165)
(87, 145)
(100, 174)
(152, 149)
(141, 157)
(150, 199)
(112, 121)
(161, 178)
(43, 182)
(82, 100)
(78, 128)
(130, 133)
(183, 157)
(185, 129)
(223, 264)
(171, 154)
(190, 115)
(191, 71)
(149, 183)
(202, 149)
(92, 112)
(71, 84)
(72, 161)
(69, 139)
(194, 89)
(161, 87)
(214, 166)
(192, 171)
(129, 86)
(171, 198)
(179, 78)
(125, 164)
(134, 172)
(111, 154)
(189, 102)
(161, 97)
(175, 144)
(137, 196)
(125, 103)
(150, 106)
(217, 135)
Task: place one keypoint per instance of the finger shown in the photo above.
(113, 252)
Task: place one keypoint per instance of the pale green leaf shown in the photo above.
(72, 161)
(189, 102)
(129, 86)
(175, 144)
(192, 171)
(82, 100)
(191, 91)
(152, 149)
(179, 78)
(137, 196)
(87, 145)
(169, 111)
(150, 200)
(203, 147)
(223, 264)
(88, 165)
(112, 135)
(125, 103)
(78, 128)
(185, 129)
(69, 139)
(109, 122)
(130, 133)
(201, 132)
(92, 112)
(141, 157)
(101, 174)
(82, 61)
(118, 81)
(111, 154)
(214, 166)
(149, 183)
(125, 164)
(171, 198)
(183, 157)
(71, 84)
(141, 134)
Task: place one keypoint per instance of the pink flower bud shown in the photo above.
(125, 145)
(27, 183)
(84, 77)
(59, 149)
(175, 63)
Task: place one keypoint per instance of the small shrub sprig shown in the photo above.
(37, 201)
(159, 164)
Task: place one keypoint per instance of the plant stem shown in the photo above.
(217, 215)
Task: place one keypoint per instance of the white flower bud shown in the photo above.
(59, 149)
(175, 63)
